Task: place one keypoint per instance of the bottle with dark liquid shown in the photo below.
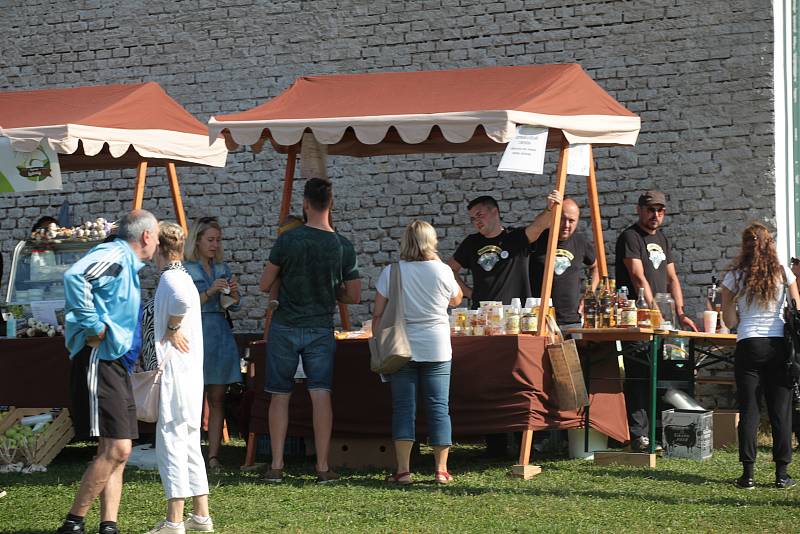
(642, 311)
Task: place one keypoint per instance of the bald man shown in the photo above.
(573, 252)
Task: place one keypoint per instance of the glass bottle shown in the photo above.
(642, 311)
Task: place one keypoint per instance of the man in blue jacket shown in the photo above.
(102, 297)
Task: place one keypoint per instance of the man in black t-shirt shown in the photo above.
(498, 260)
(497, 257)
(573, 252)
(644, 260)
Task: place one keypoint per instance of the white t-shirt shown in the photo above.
(755, 320)
(428, 287)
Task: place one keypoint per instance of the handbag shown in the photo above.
(389, 348)
(791, 334)
(146, 387)
(570, 387)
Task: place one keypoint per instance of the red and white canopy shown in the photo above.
(108, 127)
(466, 110)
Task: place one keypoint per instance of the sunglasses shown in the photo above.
(206, 220)
(652, 209)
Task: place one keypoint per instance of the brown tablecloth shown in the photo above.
(498, 384)
(34, 373)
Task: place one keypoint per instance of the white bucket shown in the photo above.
(597, 442)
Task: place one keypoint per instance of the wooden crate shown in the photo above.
(48, 442)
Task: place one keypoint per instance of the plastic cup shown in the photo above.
(710, 321)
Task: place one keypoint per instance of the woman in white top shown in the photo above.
(179, 337)
(429, 287)
(753, 296)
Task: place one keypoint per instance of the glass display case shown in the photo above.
(37, 269)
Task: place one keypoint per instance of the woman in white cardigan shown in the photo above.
(179, 338)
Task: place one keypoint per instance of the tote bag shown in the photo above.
(147, 392)
(388, 346)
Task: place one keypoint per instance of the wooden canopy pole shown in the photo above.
(524, 469)
(138, 189)
(176, 196)
(597, 222)
(288, 184)
(552, 239)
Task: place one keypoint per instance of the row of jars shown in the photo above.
(493, 318)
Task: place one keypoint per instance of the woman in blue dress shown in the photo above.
(214, 280)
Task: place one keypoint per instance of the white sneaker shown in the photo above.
(191, 524)
(164, 528)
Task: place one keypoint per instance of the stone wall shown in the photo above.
(699, 73)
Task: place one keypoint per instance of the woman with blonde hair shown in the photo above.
(216, 286)
(753, 295)
(428, 287)
(178, 335)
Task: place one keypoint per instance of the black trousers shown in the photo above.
(761, 362)
(637, 388)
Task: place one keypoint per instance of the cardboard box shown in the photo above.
(726, 424)
(357, 453)
(687, 434)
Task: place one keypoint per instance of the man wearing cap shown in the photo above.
(644, 260)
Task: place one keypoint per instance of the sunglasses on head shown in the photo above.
(206, 220)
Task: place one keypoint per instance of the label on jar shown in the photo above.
(628, 318)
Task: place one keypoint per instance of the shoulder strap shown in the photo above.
(396, 292)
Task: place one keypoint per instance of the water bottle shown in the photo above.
(11, 326)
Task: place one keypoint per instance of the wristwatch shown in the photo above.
(173, 328)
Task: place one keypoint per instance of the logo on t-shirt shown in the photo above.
(656, 253)
(563, 261)
(488, 256)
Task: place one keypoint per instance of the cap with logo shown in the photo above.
(652, 198)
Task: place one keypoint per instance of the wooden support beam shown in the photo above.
(175, 189)
(138, 189)
(597, 222)
(552, 239)
(288, 184)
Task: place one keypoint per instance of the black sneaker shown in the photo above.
(744, 482)
(72, 527)
(785, 483)
(106, 529)
(640, 444)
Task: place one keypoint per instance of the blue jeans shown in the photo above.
(286, 345)
(432, 380)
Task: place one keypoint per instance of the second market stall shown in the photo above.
(452, 111)
(108, 127)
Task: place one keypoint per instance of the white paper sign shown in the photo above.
(578, 160)
(28, 171)
(525, 153)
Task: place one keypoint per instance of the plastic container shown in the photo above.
(597, 442)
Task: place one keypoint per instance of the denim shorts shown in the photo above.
(286, 345)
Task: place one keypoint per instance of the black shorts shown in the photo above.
(102, 398)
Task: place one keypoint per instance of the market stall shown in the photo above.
(455, 111)
(90, 128)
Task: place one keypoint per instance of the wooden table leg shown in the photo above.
(250, 455)
(523, 469)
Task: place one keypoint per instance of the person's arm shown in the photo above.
(78, 292)
(541, 222)
(674, 287)
(793, 293)
(636, 272)
(268, 277)
(351, 293)
(377, 312)
(729, 314)
(466, 291)
(456, 300)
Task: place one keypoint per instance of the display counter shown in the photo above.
(499, 384)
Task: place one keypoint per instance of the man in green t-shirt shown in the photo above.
(316, 267)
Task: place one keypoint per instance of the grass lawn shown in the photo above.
(569, 496)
